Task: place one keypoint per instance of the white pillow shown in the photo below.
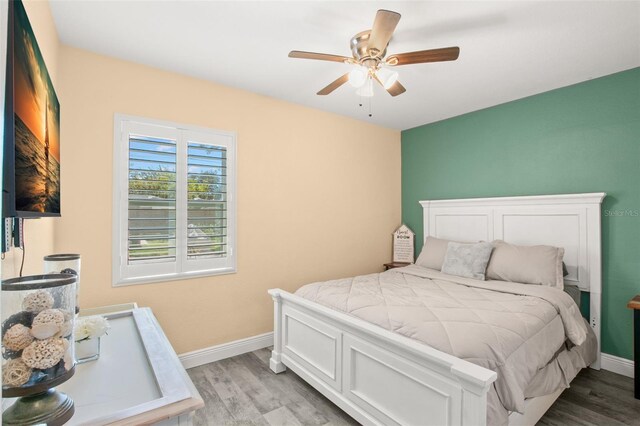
(467, 260)
(540, 265)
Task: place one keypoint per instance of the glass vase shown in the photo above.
(37, 347)
(87, 350)
(68, 263)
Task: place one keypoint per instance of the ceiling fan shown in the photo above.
(369, 49)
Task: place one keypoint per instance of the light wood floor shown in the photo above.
(243, 391)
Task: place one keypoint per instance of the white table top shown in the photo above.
(121, 378)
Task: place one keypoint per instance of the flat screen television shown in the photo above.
(31, 186)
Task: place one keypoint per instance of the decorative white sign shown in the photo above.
(403, 244)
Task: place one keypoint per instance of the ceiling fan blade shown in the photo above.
(334, 85)
(422, 56)
(319, 56)
(395, 89)
(383, 27)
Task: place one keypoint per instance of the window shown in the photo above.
(173, 202)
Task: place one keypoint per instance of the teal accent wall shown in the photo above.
(580, 138)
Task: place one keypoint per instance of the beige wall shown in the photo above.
(39, 233)
(318, 194)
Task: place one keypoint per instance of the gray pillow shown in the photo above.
(467, 260)
(540, 265)
(433, 253)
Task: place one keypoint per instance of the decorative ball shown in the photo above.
(17, 338)
(55, 371)
(25, 318)
(49, 323)
(37, 301)
(44, 354)
(49, 316)
(65, 329)
(15, 373)
(68, 271)
(44, 331)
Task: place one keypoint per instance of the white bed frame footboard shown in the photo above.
(376, 376)
(379, 377)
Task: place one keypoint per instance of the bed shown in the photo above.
(377, 369)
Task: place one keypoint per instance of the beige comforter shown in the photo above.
(513, 329)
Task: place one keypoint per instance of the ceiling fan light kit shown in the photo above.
(358, 76)
(368, 49)
(386, 77)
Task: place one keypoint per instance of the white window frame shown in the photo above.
(124, 274)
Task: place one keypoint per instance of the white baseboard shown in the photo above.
(616, 364)
(225, 350)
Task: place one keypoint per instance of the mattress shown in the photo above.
(516, 330)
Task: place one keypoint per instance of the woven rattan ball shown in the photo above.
(17, 338)
(44, 353)
(49, 316)
(37, 301)
(15, 373)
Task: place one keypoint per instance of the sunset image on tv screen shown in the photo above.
(37, 124)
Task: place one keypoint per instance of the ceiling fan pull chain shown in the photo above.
(370, 115)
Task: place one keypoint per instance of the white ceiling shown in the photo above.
(509, 49)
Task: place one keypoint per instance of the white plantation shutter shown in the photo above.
(152, 200)
(206, 201)
(174, 209)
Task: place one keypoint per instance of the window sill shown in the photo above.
(123, 282)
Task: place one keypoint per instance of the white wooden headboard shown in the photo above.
(571, 221)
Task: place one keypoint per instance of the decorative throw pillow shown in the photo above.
(433, 253)
(540, 265)
(467, 260)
